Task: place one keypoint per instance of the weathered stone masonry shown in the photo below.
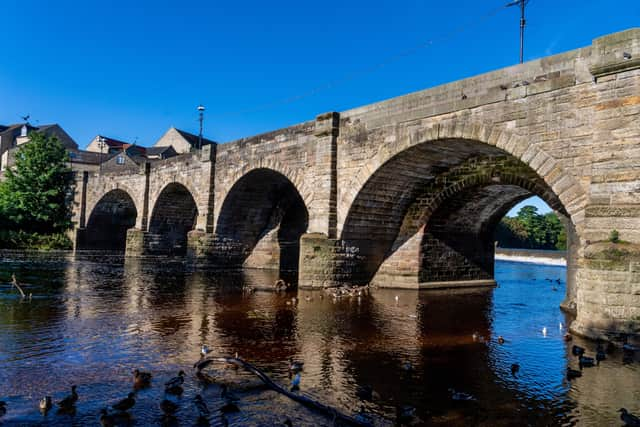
(406, 192)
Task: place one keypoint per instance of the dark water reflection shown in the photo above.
(93, 319)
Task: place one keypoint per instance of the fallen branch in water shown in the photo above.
(302, 399)
(14, 282)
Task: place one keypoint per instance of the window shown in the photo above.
(120, 160)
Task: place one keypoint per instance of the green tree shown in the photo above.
(34, 197)
(531, 230)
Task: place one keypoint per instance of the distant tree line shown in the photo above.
(531, 230)
(35, 197)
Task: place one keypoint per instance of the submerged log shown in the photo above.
(300, 398)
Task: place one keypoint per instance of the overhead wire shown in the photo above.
(371, 69)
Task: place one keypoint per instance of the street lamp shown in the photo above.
(101, 144)
(201, 112)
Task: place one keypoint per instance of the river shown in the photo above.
(92, 319)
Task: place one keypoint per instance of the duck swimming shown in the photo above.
(176, 381)
(45, 404)
(577, 350)
(69, 401)
(141, 379)
(126, 403)
(628, 418)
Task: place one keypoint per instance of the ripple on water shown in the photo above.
(98, 317)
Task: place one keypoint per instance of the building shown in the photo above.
(12, 136)
(181, 141)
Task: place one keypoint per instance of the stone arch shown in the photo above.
(261, 221)
(156, 190)
(112, 186)
(375, 226)
(565, 186)
(110, 218)
(174, 214)
(295, 177)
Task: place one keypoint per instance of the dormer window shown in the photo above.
(23, 130)
(120, 160)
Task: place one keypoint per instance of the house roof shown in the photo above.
(112, 142)
(193, 139)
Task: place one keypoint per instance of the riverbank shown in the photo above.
(533, 256)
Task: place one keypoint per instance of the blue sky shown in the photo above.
(131, 69)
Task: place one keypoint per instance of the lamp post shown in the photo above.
(101, 143)
(201, 119)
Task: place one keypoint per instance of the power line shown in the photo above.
(389, 60)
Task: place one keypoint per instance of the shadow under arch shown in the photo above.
(262, 219)
(437, 186)
(174, 215)
(111, 217)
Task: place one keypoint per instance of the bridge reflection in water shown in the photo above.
(92, 322)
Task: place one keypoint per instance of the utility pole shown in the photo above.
(522, 4)
(201, 119)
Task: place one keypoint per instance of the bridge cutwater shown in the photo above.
(407, 192)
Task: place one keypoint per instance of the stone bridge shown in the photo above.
(407, 192)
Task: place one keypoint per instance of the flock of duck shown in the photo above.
(117, 413)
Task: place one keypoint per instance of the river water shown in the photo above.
(93, 319)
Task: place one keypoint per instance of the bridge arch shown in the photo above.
(436, 187)
(564, 185)
(262, 218)
(174, 214)
(110, 218)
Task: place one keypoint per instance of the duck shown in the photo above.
(577, 350)
(106, 420)
(126, 403)
(141, 379)
(629, 419)
(295, 383)
(573, 373)
(586, 362)
(295, 366)
(366, 392)
(45, 404)
(69, 401)
(168, 407)
(500, 340)
(515, 368)
(3, 409)
(176, 381)
(201, 406)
